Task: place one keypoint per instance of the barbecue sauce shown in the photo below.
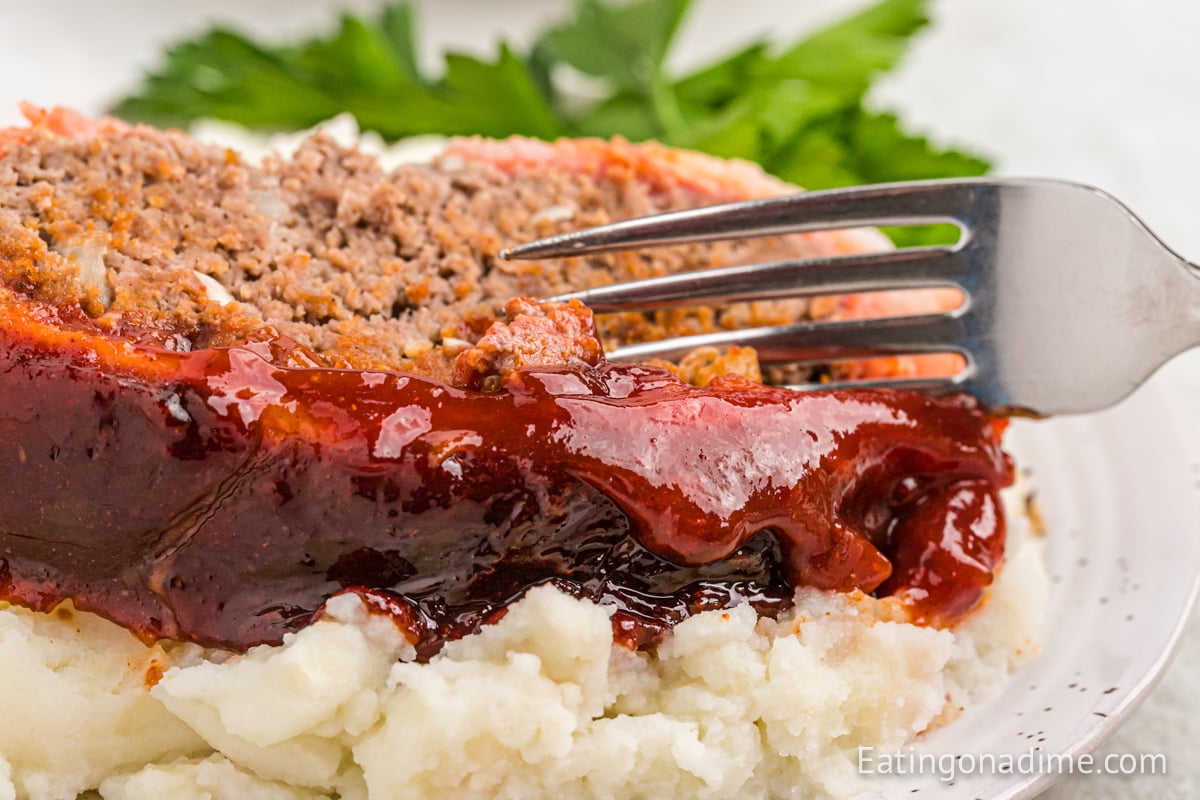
(220, 496)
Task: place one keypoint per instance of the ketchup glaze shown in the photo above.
(221, 495)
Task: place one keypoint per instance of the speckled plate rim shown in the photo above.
(1173, 416)
(1078, 467)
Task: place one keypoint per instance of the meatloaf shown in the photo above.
(362, 268)
(229, 392)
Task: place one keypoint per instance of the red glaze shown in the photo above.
(221, 496)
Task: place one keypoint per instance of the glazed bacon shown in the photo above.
(221, 495)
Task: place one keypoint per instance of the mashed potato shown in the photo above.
(541, 704)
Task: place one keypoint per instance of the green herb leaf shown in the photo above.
(624, 44)
(358, 60)
(221, 75)
(758, 105)
(624, 114)
(847, 56)
(862, 147)
(368, 68)
(884, 152)
(399, 28)
(723, 82)
(495, 99)
(797, 110)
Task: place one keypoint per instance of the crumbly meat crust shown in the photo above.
(365, 268)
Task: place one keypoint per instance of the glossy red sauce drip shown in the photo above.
(218, 497)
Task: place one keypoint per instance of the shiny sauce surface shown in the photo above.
(220, 496)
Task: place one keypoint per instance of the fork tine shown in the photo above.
(914, 203)
(950, 383)
(910, 268)
(822, 341)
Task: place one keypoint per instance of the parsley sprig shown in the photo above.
(797, 110)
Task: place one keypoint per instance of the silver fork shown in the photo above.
(1070, 301)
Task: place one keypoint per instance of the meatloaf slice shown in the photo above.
(228, 392)
(363, 268)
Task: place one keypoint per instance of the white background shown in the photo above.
(1102, 91)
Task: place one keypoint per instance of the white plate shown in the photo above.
(1119, 494)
